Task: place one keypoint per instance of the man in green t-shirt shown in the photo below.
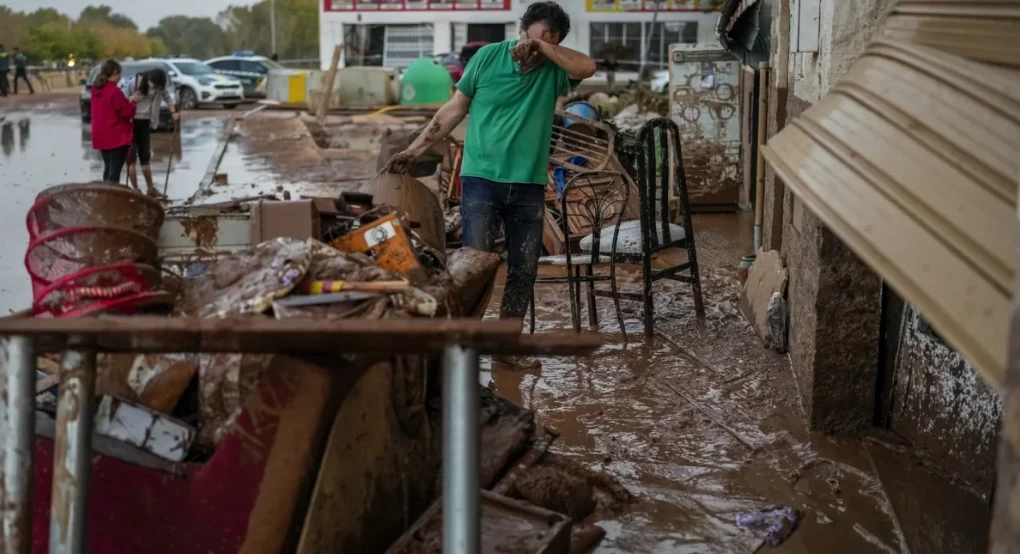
(511, 88)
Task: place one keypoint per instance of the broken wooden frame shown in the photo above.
(79, 340)
(597, 146)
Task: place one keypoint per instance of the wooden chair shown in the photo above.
(659, 165)
(592, 202)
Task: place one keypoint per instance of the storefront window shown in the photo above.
(662, 35)
(618, 46)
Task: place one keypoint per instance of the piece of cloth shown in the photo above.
(511, 116)
(113, 162)
(777, 522)
(561, 175)
(21, 74)
(111, 118)
(4, 84)
(148, 105)
(518, 209)
(20, 61)
(141, 143)
(5, 61)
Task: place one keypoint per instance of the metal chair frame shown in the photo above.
(648, 179)
(600, 205)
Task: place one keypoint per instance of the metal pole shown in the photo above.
(72, 453)
(18, 360)
(461, 455)
(272, 25)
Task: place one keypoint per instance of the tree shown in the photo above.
(92, 15)
(197, 37)
(297, 22)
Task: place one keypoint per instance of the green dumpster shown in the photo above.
(425, 83)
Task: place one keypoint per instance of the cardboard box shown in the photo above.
(296, 219)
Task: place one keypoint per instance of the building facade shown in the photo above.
(394, 33)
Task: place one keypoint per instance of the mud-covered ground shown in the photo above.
(701, 424)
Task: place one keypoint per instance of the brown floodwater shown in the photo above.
(698, 435)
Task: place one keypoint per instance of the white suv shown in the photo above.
(198, 85)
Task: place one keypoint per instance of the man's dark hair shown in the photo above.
(549, 13)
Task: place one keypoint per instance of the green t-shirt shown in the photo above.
(511, 118)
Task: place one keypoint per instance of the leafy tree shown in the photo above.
(104, 14)
(198, 37)
(297, 21)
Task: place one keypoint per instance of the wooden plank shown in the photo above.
(256, 334)
(552, 235)
(325, 100)
(217, 157)
(748, 82)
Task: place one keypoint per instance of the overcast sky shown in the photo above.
(145, 13)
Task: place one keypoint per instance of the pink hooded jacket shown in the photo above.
(111, 117)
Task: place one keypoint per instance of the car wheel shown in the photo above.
(229, 106)
(189, 100)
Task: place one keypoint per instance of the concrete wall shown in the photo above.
(834, 299)
(943, 407)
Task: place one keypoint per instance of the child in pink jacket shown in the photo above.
(112, 117)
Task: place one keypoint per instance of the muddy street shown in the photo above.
(701, 425)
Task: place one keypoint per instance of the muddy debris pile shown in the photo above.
(375, 266)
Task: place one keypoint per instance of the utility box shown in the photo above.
(287, 86)
(705, 103)
(355, 87)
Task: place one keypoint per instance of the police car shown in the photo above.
(198, 85)
(251, 70)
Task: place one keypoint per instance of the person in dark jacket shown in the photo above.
(112, 120)
(151, 87)
(21, 71)
(5, 68)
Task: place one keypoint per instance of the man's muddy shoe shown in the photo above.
(518, 362)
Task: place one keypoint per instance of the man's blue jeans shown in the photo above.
(518, 209)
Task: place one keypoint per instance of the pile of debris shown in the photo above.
(365, 261)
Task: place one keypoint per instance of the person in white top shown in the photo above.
(150, 86)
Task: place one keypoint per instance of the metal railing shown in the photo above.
(79, 340)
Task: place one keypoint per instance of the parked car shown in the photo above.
(455, 63)
(198, 85)
(128, 71)
(251, 70)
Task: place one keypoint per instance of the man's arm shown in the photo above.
(577, 65)
(448, 117)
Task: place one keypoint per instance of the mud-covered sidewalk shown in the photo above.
(702, 424)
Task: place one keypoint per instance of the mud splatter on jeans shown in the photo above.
(516, 210)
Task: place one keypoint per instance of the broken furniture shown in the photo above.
(660, 165)
(93, 250)
(593, 201)
(256, 445)
(576, 138)
(511, 526)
